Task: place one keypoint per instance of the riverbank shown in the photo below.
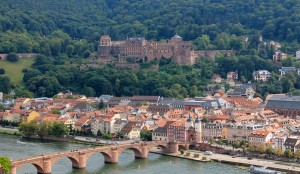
(10, 132)
(191, 156)
(291, 168)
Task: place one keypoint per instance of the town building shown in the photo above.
(160, 134)
(245, 91)
(139, 100)
(238, 132)
(232, 75)
(119, 124)
(212, 131)
(279, 142)
(260, 137)
(292, 143)
(279, 56)
(285, 70)
(158, 109)
(298, 54)
(1, 96)
(216, 78)
(132, 130)
(261, 75)
(284, 105)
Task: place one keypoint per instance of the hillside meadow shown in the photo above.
(13, 70)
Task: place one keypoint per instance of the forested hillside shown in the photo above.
(66, 32)
(154, 19)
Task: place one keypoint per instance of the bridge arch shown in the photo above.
(75, 162)
(107, 156)
(183, 146)
(137, 151)
(37, 167)
(163, 147)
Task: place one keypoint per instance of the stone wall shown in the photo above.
(20, 55)
(50, 138)
(211, 54)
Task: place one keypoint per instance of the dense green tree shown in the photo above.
(270, 150)
(146, 135)
(59, 129)
(5, 164)
(101, 104)
(279, 152)
(297, 153)
(2, 108)
(288, 153)
(99, 133)
(28, 129)
(5, 84)
(43, 129)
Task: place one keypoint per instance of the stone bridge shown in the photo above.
(43, 163)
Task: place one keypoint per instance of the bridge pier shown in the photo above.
(81, 161)
(47, 166)
(144, 152)
(114, 158)
(13, 170)
(173, 147)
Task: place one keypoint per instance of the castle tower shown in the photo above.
(104, 48)
(105, 40)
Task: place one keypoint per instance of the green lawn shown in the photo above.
(14, 70)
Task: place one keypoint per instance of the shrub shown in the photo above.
(12, 57)
(188, 154)
(24, 70)
(2, 71)
(196, 155)
(181, 151)
(204, 158)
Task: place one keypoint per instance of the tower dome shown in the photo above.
(176, 36)
(190, 118)
(197, 120)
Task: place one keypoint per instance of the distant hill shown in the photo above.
(154, 19)
(13, 70)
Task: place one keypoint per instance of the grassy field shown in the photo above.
(14, 70)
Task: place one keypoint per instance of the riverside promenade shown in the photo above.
(179, 155)
(290, 168)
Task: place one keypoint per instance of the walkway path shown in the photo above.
(272, 164)
(291, 168)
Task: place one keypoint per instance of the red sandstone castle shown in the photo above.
(137, 49)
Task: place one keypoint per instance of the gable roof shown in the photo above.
(286, 102)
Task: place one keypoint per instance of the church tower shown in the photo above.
(198, 129)
(190, 122)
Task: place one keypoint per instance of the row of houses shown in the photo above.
(259, 75)
(233, 116)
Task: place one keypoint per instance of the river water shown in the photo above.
(95, 165)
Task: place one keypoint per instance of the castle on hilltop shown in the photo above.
(138, 50)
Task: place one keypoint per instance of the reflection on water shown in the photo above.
(95, 164)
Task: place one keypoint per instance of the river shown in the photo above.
(95, 165)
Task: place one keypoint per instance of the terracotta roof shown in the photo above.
(260, 133)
